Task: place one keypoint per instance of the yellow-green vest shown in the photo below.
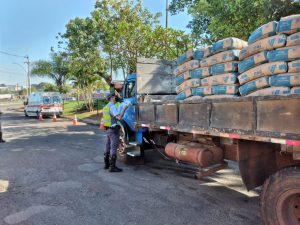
(106, 115)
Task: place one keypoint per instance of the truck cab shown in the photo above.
(131, 138)
(153, 81)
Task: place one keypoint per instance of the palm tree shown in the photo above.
(56, 69)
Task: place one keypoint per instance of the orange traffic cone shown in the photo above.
(54, 119)
(102, 125)
(40, 116)
(75, 122)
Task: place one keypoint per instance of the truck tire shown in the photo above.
(121, 153)
(280, 198)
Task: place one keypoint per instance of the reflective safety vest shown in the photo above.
(106, 116)
(107, 120)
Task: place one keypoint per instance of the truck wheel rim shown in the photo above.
(288, 207)
(121, 148)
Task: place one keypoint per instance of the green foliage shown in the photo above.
(40, 86)
(217, 19)
(116, 33)
(50, 88)
(123, 26)
(166, 44)
(22, 92)
(55, 69)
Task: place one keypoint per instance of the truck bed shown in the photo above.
(264, 118)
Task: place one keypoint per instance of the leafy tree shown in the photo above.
(213, 20)
(22, 92)
(50, 88)
(123, 26)
(86, 79)
(116, 33)
(40, 86)
(56, 69)
(83, 46)
(166, 44)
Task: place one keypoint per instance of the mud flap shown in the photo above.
(257, 161)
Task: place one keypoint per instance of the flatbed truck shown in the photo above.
(261, 134)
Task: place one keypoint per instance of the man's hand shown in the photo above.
(119, 117)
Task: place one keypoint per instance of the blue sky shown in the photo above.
(29, 27)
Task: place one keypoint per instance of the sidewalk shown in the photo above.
(87, 121)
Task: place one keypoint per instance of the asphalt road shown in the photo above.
(51, 173)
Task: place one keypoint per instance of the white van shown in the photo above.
(48, 103)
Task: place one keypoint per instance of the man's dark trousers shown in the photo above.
(112, 141)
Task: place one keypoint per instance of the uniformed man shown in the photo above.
(111, 116)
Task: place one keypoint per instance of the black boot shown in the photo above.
(112, 166)
(106, 161)
(1, 140)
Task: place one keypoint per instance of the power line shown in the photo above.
(9, 72)
(6, 53)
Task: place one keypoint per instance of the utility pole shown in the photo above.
(167, 13)
(166, 41)
(26, 71)
(28, 74)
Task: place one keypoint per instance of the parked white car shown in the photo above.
(46, 103)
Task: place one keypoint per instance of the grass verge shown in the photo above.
(73, 107)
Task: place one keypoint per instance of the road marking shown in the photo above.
(89, 167)
(26, 214)
(4, 184)
(55, 187)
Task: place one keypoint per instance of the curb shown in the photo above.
(87, 121)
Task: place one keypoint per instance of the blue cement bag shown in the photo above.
(254, 85)
(185, 57)
(225, 89)
(264, 31)
(207, 52)
(199, 53)
(289, 24)
(285, 80)
(220, 79)
(183, 95)
(265, 69)
(228, 44)
(271, 91)
(182, 77)
(293, 39)
(295, 90)
(191, 83)
(265, 44)
(200, 73)
(294, 66)
(202, 91)
(284, 54)
(224, 67)
(252, 61)
(222, 57)
(189, 65)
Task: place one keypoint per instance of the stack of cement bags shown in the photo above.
(222, 64)
(270, 63)
(213, 70)
(184, 79)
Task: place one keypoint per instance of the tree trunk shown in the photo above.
(106, 78)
